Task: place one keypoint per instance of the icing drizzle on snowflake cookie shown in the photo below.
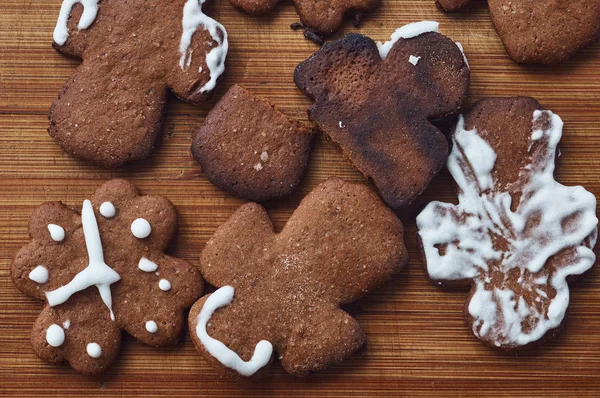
(406, 32)
(227, 357)
(193, 17)
(97, 273)
(517, 297)
(90, 10)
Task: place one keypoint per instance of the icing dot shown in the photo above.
(147, 265)
(94, 350)
(164, 285)
(55, 335)
(57, 233)
(39, 274)
(108, 210)
(140, 228)
(151, 327)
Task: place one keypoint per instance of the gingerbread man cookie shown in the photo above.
(541, 31)
(110, 111)
(516, 237)
(103, 271)
(377, 103)
(281, 292)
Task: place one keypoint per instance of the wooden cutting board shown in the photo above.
(418, 343)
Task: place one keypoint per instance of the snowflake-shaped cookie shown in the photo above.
(516, 235)
(103, 271)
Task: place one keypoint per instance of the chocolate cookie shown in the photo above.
(103, 271)
(542, 31)
(516, 236)
(324, 16)
(282, 291)
(378, 107)
(110, 111)
(247, 147)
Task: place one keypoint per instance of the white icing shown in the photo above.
(262, 351)
(140, 228)
(108, 210)
(147, 265)
(462, 50)
(414, 60)
(485, 212)
(55, 335)
(67, 324)
(193, 17)
(57, 233)
(164, 285)
(61, 31)
(97, 273)
(151, 327)
(406, 32)
(94, 350)
(39, 274)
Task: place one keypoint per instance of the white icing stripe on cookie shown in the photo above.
(406, 32)
(193, 17)
(97, 273)
(90, 10)
(262, 351)
(498, 314)
(462, 50)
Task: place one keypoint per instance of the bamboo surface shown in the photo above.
(418, 343)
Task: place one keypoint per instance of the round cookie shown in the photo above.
(102, 278)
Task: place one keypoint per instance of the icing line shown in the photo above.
(61, 31)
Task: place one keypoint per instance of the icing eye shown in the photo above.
(164, 285)
(55, 335)
(94, 350)
(39, 274)
(57, 233)
(147, 265)
(151, 327)
(140, 228)
(108, 210)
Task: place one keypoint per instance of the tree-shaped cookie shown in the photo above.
(516, 236)
(110, 111)
(323, 16)
(377, 104)
(103, 271)
(281, 292)
(541, 31)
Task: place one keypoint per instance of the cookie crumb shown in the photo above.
(258, 166)
(264, 156)
(414, 59)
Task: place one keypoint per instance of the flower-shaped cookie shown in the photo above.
(282, 291)
(541, 31)
(103, 271)
(377, 104)
(134, 52)
(516, 236)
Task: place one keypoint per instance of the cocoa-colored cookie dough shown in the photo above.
(283, 290)
(516, 237)
(541, 31)
(377, 106)
(102, 271)
(323, 16)
(111, 109)
(248, 148)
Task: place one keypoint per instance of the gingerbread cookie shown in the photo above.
(542, 31)
(516, 236)
(103, 271)
(281, 292)
(111, 109)
(324, 17)
(247, 147)
(377, 103)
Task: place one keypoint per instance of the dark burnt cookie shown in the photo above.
(103, 271)
(111, 109)
(280, 292)
(516, 237)
(246, 147)
(378, 107)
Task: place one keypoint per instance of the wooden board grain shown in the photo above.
(418, 343)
